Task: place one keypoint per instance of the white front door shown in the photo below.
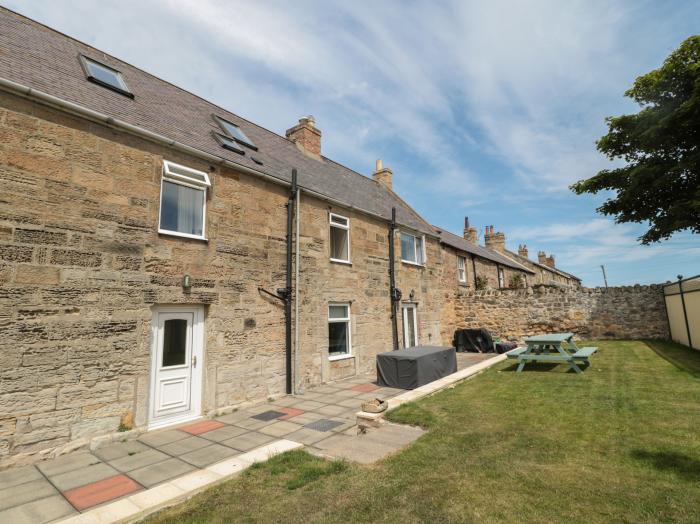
(410, 327)
(176, 365)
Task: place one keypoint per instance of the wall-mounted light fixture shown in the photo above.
(411, 295)
(186, 282)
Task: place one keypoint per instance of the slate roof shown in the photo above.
(46, 60)
(464, 245)
(517, 257)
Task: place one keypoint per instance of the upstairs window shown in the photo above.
(105, 76)
(340, 238)
(235, 132)
(461, 271)
(183, 201)
(412, 249)
(339, 345)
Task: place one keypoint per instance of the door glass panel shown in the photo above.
(174, 342)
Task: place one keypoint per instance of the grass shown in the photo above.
(618, 443)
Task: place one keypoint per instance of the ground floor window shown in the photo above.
(339, 344)
(461, 269)
(501, 278)
(410, 326)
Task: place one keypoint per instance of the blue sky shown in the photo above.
(486, 109)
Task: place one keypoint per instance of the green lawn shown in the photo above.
(620, 443)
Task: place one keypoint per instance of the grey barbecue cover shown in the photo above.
(413, 367)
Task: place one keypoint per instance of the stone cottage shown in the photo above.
(147, 240)
(545, 270)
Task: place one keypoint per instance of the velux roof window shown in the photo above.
(235, 132)
(229, 143)
(105, 76)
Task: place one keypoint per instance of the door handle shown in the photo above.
(194, 360)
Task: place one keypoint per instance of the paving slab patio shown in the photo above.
(322, 418)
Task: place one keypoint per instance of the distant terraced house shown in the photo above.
(158, 263)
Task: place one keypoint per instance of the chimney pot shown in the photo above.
(383, 175)
(306, 136)
(470, 233)
(495, 241)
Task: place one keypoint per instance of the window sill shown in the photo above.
(182, 235)
(339, 357)
(338, 261)
(407, 262)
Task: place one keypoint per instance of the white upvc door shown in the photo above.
(410, 326)
(176, 365)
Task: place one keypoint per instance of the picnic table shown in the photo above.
(550, 348)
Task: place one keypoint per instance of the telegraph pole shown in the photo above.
(605, 279)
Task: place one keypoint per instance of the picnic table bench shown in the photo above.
(550, 348)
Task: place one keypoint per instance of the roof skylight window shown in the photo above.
(235, 132)
(105, 76)
(228, 143)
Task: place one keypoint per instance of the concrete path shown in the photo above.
(322, 419)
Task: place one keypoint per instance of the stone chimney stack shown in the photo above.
(306, 136)
(494, 240)
(550, 261)
(542, 258)
(470, 233)
(522, 250)
(383, 175)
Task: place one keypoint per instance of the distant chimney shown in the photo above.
(306, 136)
(550, 261)
(493, 240)
(470, 233)
(522, 251)
(542, 258)
(383, 175)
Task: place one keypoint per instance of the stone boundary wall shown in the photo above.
(628, 312)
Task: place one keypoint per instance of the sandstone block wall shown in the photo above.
(82, 265)
(365, 285)
(613, 313)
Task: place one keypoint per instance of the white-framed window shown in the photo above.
(501, 278)
(183, 201)
(461, 269)
(410, 325)
(339, 238)
(339, 337)
(412, 249)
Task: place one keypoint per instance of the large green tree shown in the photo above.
(660, 181)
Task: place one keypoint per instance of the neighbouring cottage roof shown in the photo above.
(543, 266)
(46, 60)
(464, 245)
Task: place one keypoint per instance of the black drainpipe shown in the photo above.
(394, 293)
(474, 271)
(288, 284)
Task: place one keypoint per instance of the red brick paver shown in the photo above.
(101, 491)
(202, 427)
(364, 388)
(290, 412)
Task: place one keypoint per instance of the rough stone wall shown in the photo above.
(451, 287)
(613, 313)
(365, 285)
(82, 264)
